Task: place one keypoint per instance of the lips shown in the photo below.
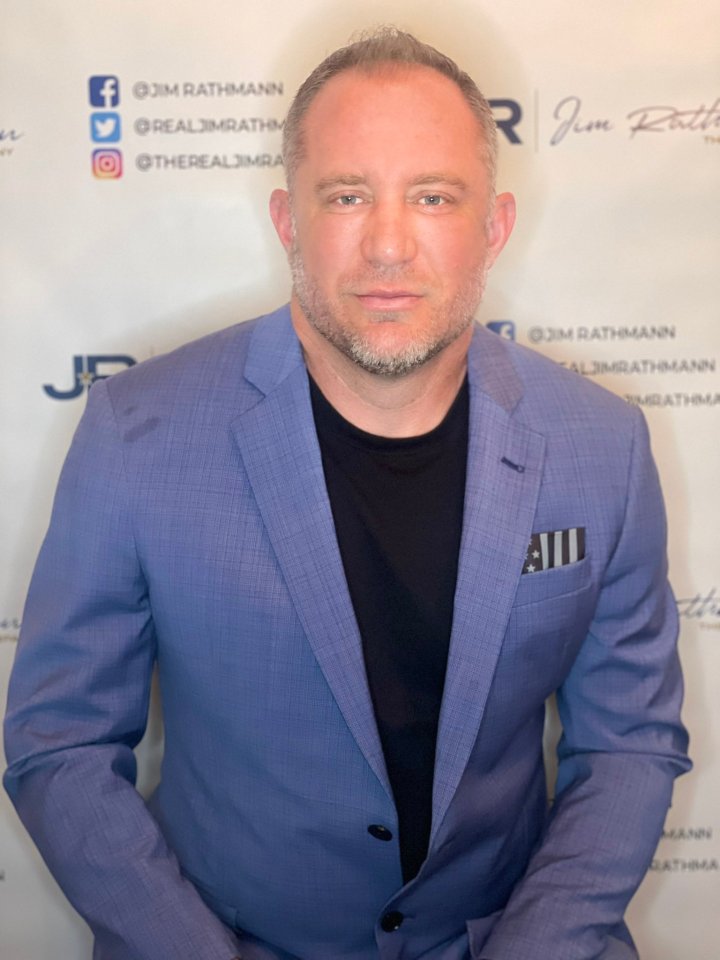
(384, 299)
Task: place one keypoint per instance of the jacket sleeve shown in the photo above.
(621, 747)
(77, 706)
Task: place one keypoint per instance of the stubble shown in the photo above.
(451, 320)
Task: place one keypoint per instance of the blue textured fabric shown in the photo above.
(192, 528)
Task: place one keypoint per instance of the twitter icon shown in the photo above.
(105, 127)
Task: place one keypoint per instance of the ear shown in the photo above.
(500, 226)
(280, 216)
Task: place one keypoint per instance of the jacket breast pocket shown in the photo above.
(554, 582)
(548, 622)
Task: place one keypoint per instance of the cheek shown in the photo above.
(329, 249)
(456, 249)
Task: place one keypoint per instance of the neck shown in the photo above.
(402, 406)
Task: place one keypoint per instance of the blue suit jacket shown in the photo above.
(192, 527)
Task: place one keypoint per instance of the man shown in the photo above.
(364, 540)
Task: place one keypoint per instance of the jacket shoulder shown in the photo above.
(543, 392)
(210, 369)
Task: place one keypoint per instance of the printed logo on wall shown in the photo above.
(104, 91)
(105, 126)
(503, 328)
(107, 164)
(701, 609)
(507, 114)
(88, 369)
(572, 117)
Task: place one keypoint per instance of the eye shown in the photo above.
(349, 200)
(432, 200)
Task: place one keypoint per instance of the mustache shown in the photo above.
(369, 276)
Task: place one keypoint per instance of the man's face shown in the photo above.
(389, 229)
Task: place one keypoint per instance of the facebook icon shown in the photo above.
(504, 328)
(104, 91)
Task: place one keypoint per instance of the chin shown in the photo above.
(391, 360)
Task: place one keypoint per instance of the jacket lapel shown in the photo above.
(281, 454)
(503, 477)
(277, 438)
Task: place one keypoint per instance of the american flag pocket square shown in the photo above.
(556, 548)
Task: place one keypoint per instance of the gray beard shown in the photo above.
(360, 351)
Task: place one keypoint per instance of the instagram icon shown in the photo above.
(107, 164)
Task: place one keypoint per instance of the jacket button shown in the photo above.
(379, 832)
(392, 921)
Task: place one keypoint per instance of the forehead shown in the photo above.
(394, 115)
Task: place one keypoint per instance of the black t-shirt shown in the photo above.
(398, 507)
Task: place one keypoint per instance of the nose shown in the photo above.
(389, 237)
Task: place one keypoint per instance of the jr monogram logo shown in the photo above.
(88, 369)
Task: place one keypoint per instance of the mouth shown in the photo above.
(388, 299)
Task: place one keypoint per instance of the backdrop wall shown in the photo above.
(139, 142)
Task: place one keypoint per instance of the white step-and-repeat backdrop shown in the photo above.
(139, 142)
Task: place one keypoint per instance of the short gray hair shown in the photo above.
(371, 53)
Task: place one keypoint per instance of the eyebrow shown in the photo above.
(446, 178)
(340, 180)
(354, 180)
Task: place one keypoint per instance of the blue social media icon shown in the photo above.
(105, 127)
(104, 91)
(504, 328)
